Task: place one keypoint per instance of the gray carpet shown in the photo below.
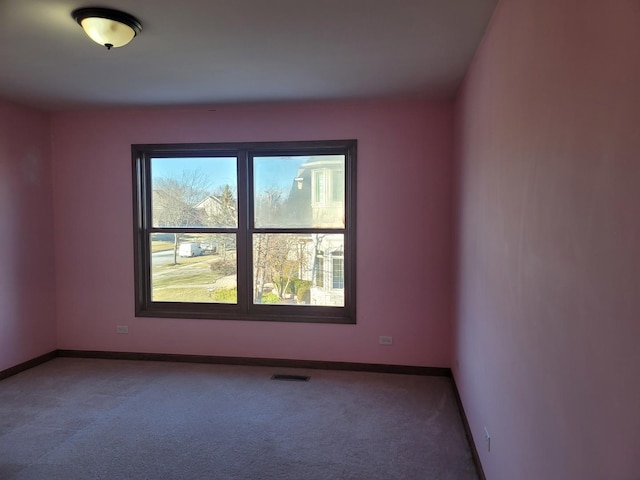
(86, 419)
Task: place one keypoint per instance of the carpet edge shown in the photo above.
(259, 362)
(34, 362)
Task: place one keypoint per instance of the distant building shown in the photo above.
(215, 211)
(316, 198)
(170, 211)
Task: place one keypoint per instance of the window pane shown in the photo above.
(194, 192)
(299, 191)
(190, 267)
(291, 269)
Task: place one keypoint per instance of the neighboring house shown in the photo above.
(317, 194)
(210, 207)
(170, 211)
(327, 277)
(216, 211)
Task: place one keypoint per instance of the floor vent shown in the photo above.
(291, 378)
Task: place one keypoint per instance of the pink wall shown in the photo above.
(404, 224)
(548, 326)
(27, 293)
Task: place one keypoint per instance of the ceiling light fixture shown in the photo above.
(107, 27)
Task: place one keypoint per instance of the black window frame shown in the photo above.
(245, 309)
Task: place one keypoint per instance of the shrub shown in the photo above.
(225, 295)
(270, 298)
(304, 293)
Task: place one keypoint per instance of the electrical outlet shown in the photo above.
(487, 438)
(122, 329)
(385, 340)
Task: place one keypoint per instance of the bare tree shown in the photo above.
(314, 264)
(174, 202)
(268, 208)
(282, 261)
(276, 260)
(260, 265)
(266, 211)
(222, 211)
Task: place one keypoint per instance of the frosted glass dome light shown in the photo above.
(107, 27)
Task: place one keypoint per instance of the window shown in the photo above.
(318, 187)
(338, 272)
(337, 185)
(245, 231)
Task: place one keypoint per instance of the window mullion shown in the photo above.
(243, 256)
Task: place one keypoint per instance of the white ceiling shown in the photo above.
(229, 51)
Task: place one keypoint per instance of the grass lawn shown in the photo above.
(188, 281)
(182, 294)
(161, 246)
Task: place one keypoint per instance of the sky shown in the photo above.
(269, 172)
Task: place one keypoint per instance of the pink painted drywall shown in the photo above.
(548, 313)
(404, 224)
(27, 293)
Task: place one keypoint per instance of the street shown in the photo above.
(164, 257)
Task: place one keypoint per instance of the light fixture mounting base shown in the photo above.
(80, 14)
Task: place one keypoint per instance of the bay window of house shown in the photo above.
(249, 231)
(338, 271)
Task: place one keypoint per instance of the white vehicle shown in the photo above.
(208, 248)
(189, 249)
